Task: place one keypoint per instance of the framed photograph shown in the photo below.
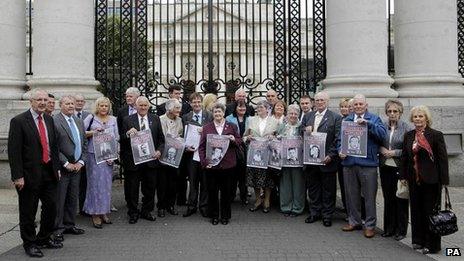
(354, 139)
(192, 135)
(104, 146)
(275, 154)
(292, 152)
(216, 148)
(258, 153)
(314, 148)
(173, 151)
(142, 147)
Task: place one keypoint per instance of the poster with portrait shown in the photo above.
(258, 153)
(104, 146)
(216, 148)
(314, 148)
(292, 152)
(142, 147)
(354, 139)
(275, 154)
(192, 136)
(173, 151)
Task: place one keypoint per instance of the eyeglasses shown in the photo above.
(392, 111)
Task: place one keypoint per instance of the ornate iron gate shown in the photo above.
(211, 46)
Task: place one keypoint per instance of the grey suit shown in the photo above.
(322, 179)
(68, 185)
(83, 115)
(195, 172)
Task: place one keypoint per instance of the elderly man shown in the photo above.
(360, 174)
(34, 163)
(323, 179)
(240, 96)
(174, 92)
(72, 146)
(198, 194)
(132, 93)
(305, 105)
(145, 174)
(79, 107)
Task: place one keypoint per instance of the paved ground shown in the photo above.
(249, 236)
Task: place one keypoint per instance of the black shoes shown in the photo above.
(417, 246)
(189, 212)
(224, 221)
(133, 219)
(33, 251)
(161, 213)
(214, 221)
(386, 234)
(203, 212)
(327, 222)
(74, 231)
(399, 237)
(312, 219)
(50, 243)
(254, 208)
(173, 211)
(147, 216)
(58, 237)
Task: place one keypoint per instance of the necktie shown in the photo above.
(79, 115)
(197, 118)
(75, 136)
(142, 123)
(317, 121)
(43, 140)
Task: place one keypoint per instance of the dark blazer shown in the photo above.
(431, 172)
(25, 149)
(230, 108)
(132, 121)
(230, 159)
(66, 144)
(161, 109)
(206, 117)
(122, 113)
(330, 124)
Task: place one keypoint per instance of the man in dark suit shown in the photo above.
(305, 105)
(143, 174)
(195, 173)
(323, 179)
(240, 95)
(79, 105)
(174, 92)
(71, 146)
(34, 163)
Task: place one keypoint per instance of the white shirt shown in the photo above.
(132, 110)
(262, 124)
(143, 120)
(66, 118)
(318, 118)
(356, 117)
(199, 116)
(36, 121)
(220, 127)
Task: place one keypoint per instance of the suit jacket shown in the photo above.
(122, 113)
(25, 149)
(132, 121)
(230, 108)
(330, 124)
(84, 114)
(206, 117)
(161, 109)
(253, 127)
(431, 172)
(66, 144)
(230, 159)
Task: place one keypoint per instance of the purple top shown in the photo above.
(110, 126)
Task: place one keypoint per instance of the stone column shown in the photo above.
(63, 39)
(357, 41)
(13, 49)
(426, 59)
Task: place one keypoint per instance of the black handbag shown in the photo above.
(443, 222)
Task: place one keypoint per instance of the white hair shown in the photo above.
(171, 104)
(141, 99)
(360, 96)
(35, 92)
(133, 90)
(294, 107)
(324, 94)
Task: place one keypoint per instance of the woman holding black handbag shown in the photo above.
(424, 165)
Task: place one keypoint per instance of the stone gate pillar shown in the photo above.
(426, 56)
(357, 40)
(63, 39)
(13, 49)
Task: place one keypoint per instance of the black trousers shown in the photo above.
(28, 200)
(219, 180)
(198, 193)
(396, 210)
(239, 180)
(146, 179)
(167, 187)
(423, 199)
(341, 184)
(181, 182)
(322, 192)
(82, 188)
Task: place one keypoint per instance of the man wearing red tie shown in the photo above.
(34, 163)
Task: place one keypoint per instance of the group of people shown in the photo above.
(52, 160)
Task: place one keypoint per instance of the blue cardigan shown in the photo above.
(375, 137)
(230, 118)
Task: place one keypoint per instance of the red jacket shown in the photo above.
(229, 160)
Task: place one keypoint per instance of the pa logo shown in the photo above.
(453, 251)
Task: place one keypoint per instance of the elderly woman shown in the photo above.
(240, 118)
(260, 125)
(171, 124)
(292, 182)
(219, 177)
(99, 176)
(395, 215)
(424, 165)
(279, 110)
